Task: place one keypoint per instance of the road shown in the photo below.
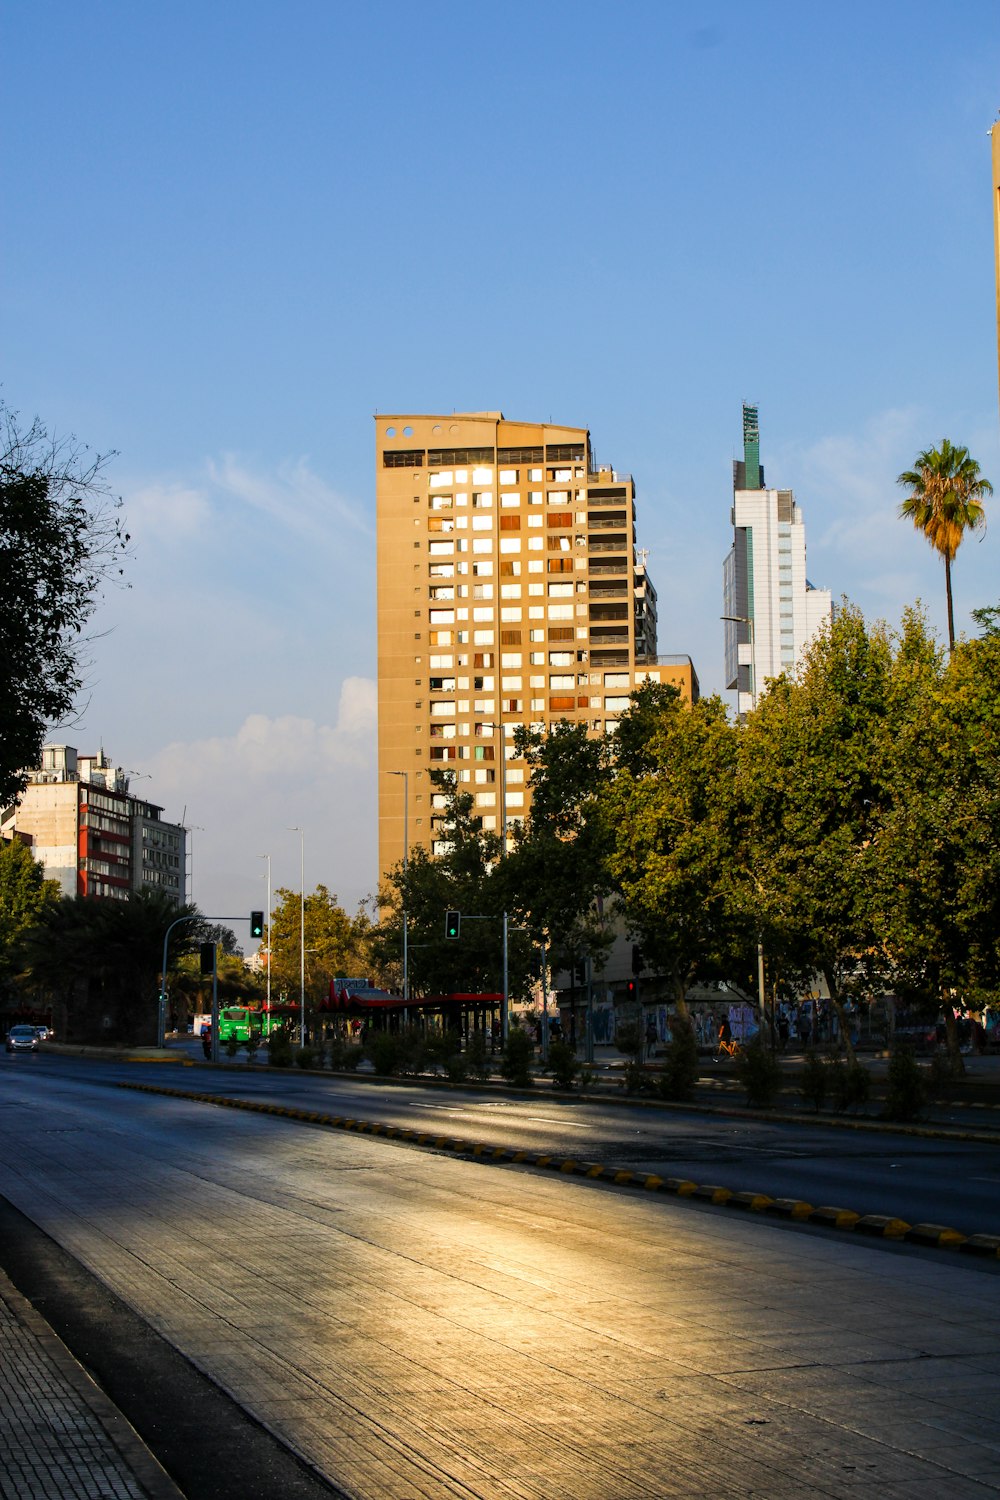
(420, 1326)
(950, 1182)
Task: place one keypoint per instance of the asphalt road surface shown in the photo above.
(951, 1182)
(413, 1325)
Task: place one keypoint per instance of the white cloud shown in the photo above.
(242, 793)
(167, 512)
(293, 497)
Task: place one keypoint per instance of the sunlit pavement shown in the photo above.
(419, 1327)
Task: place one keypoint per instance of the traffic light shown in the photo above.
(207, 955)
(637, 963)
(452, 923)
(256, 924)
(631, 989)
(580, 972)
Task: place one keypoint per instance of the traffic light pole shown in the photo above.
(161, 1019)
(452, 929)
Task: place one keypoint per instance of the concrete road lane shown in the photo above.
(922, 1181)
(418, 1326)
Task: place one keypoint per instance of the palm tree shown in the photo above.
(946, 488)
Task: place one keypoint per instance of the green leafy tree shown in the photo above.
(813, 785)
(100, 961)
(557, 872)
(62, 540)
(946, 490)
(335, 944)
(24, 895)
(938, 849)
(668, 820)
(467, 878)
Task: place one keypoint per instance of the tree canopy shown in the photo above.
(61, 539)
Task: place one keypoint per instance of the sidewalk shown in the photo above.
(61, 1438)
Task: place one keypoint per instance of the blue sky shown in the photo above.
(234, 232)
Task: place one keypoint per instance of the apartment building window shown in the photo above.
(510, 523)
(507, 476)
(561, 519)
(482, 499)
(510, 568)
(509, 498)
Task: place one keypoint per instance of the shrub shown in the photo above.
(456, 1065)
(251, 1046)
(411, 1049)
(279, 1049)
(637, 1080)
(906, 1091)
(306, 1057)
(629, 1038)
(477, 1055)
(383, 1051)
(232, 1046)
(516, 1058)
(852, 1085)
(759, 1071)
(681, 1067)
(344, 1056)
(563, 1064)
(815, 1077)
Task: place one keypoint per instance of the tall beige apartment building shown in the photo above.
(510, 591)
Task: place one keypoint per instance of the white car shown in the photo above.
(45, 1033)
(22, 1039)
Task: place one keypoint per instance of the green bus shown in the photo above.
(238, 1023)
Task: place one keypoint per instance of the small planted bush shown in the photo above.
(681, 1067)
(851, 1085)
(759, 1071)
(814, 1081)
(563, 1064)
(516, 1058)
(477, 1055)
(383, 1052)
(906, 1089)
(279, 1049)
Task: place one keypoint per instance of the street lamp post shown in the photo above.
(268, 858)
(406, 865)
(302, 934)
